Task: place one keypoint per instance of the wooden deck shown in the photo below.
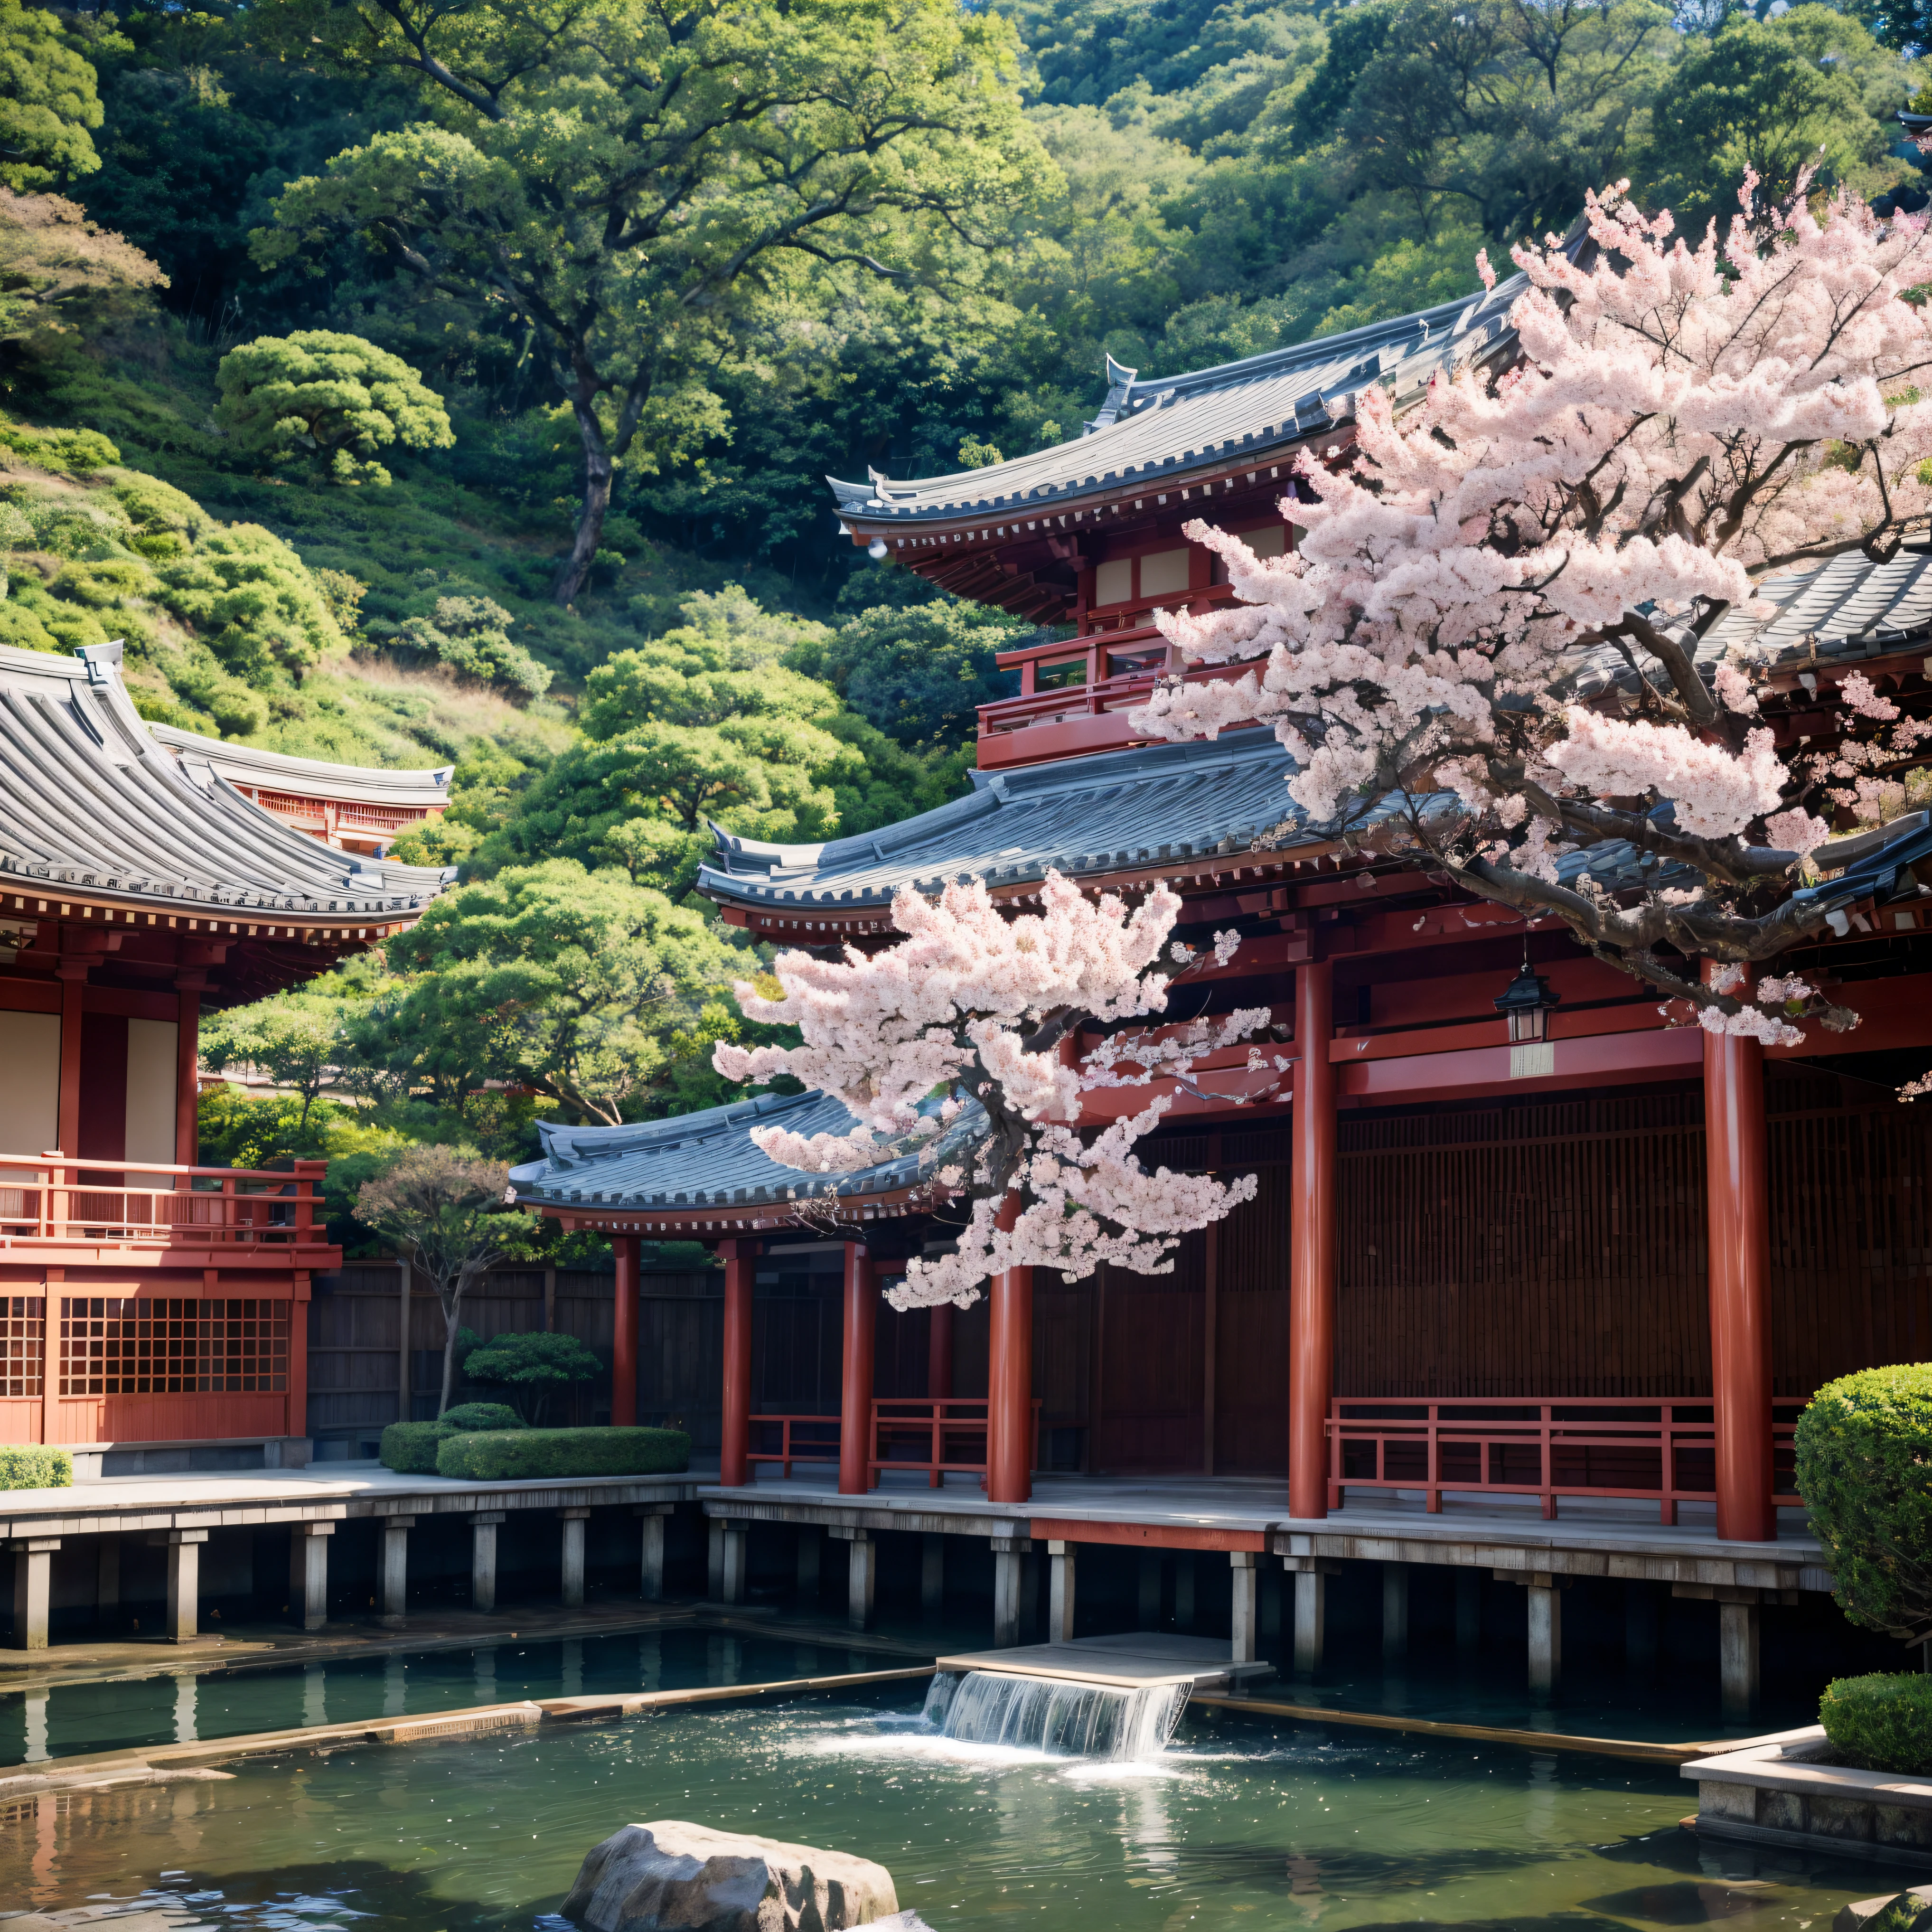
(1589, 1537)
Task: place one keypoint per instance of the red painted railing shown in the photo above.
(1091, 701)
(1660, 1450)
(45, 1201)
(898, 1422)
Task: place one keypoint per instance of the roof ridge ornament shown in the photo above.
(1120, 386)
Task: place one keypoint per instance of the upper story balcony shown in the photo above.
(1075, 695)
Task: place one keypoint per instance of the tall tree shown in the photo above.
(626, 185)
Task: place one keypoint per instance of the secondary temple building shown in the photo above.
(146, 1299)
(1535, 1282)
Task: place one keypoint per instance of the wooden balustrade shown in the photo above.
(942, 1427)
(48, 1202)
(1661, 1450)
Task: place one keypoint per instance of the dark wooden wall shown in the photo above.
(1553, 1247)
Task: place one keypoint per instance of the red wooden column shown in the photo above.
(939, 1353)
(740, 1260)
(855, 1416)
(624, 1335)
(1010, 1379)
(73, 975)
(1311, 1314)
(188, 989)
(1739, 1215)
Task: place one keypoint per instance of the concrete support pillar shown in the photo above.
(1150, 1590)
(1064, 1557)
(308, 1574)
(1641, 1605)
(855, 1383)
(1468, 1611)
(33, 1577)
(483, 1528)
(1311, 1243)
(714, 1560)
(810, 1542)
(651, 1568)
(107, 1578)
(572, 1564)
(1395, 1612)
(1737, 1192)
(1007, 1571)
(1267, 1602)
(1241, 1630)
(740, 1259)
(1546, 1638)
(862, 1578)
(1032, 1575)
(932, 1570)
(1737, 1660)
(1311, 1616)
(731, 1568)
(1184, 1590)
(394, 1562)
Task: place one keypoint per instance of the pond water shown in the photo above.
(1238, 1824)
(72, 1719)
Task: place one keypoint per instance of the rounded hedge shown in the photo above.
(506, 1455)
(1864, 1469)
(1882, 1722)
(409, 1447)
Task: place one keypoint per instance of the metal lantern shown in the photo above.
(1527, 1001)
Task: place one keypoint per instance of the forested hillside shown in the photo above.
(416, 386)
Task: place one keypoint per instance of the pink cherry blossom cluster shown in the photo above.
(974, 1006)
(1680, 421)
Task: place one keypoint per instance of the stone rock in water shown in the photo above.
(670, 1876)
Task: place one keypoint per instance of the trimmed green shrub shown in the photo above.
(507, 1454)
(28, 1466)
(1864, 1469)
(1882, 1722)
(467, 1417)
(531, 1369)
(409, 1447)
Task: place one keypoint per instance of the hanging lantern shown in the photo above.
(1527, 1000)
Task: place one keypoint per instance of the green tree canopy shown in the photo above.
(573, 984)
(247, 592)
(49, 104)
(330, 401)
(471, 636)
(1811, 88)
(531, 1370)
(627, 185)
(294, 1037)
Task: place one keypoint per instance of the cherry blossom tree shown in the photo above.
(959, 1043)
(1484, 652)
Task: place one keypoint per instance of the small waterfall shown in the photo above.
(1054, 1714)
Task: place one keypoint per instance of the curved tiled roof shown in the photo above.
(1084, 815)
(90, 803)
(707, 1159)
(1171, 427)
(310, 778)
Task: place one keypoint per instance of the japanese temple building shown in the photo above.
(359, 809)
(147, 1299)
(1543, 1303)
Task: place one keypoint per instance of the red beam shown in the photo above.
(1145, 1535)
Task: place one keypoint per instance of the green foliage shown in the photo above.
(294, 1037)
(723, 166)
(471, 635)
(247, 592)
(1864, 1469)
(1811, 88)
(532, 1368)
(49, 102)
(28, 1466)
(917, 674)
(329, 401)
(570, 983)
(1882, 1722)
(512, 1454)
(474, 1415)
